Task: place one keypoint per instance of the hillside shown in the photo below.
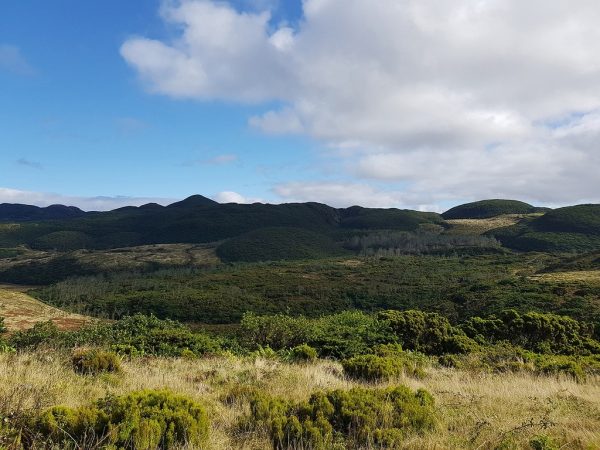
(199, 220)
(15, 212)
(488, 208)
(275, 244)
(569, 229)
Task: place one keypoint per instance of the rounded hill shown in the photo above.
(485, 209)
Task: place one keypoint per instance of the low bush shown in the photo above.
(389, 361)
(95, 361)
(358, 418)
(303, 353)
(141, 420)
(543, 442)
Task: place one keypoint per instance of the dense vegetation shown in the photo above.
(488, 208)
(457, 287)
(570, 229)
(274, 244)
(197, 220)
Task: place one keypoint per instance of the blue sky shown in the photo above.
(77, 122)
(383, 104)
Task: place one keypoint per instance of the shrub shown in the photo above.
(278, 331)
(356, 418)
(426, 332)
(389, 361)
(95, 361)
(555, 365)
(303, 353)
(543, 442)
(141, 420)
(2, 326)
(42, 333)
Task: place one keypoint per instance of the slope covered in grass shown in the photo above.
(488, 208)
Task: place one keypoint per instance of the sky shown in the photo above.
(420, 104)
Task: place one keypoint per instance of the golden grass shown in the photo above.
(20, 311)
(575, 276)
(480, 226)
(476, 411)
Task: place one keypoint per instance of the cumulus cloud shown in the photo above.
(11, 60)
(234, 197)
(458, 99)
(100, 203)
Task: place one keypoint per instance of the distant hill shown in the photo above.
(198, 219)
(276, 244)
(488, 208)
(569, 229)
(16, 212)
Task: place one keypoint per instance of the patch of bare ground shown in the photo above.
(20, 311)
(480, 226)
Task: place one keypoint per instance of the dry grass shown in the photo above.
(475, 411)
(20, 311)
(480, 226)
(575, 277)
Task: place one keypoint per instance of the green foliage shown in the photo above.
(63, 241)
(2, 326)
(426, 332)
(303, 353)
(42, 333)
(373, 418)
(339, 335)
(570, 229)
(133, 336)
(274, 244)
(144, 420)
(384, 365)
(95, 361)
(455, 287)
(542, 333)
(488, 208)
(543, 442)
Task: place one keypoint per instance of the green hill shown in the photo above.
(275, 244)
(569, 229)
(488, 208)
(200, 220)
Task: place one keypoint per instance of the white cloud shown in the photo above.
(234, 197)
(100, 203)
(12, 60)
(453, 99)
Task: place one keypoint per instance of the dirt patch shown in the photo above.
(20, 311)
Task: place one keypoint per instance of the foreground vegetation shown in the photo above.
(467, 409)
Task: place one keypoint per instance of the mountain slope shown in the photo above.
(16, 212)
(488, 208)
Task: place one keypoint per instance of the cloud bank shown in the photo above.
(448, 100)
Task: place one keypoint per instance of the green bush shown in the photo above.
(2, 326)
(95, 361)
(389, 361)
(380, 418)
(542, 333)
(303, 353)
(144, 420)
(42, 333)
(543, 442)
(425, 332)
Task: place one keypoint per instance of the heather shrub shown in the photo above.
(144, 420)
(95, 361)
(373, 418)
(389, 361)
(303, 353)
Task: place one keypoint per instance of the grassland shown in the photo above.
(20, 311)
(474, 410)
(481, 226)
